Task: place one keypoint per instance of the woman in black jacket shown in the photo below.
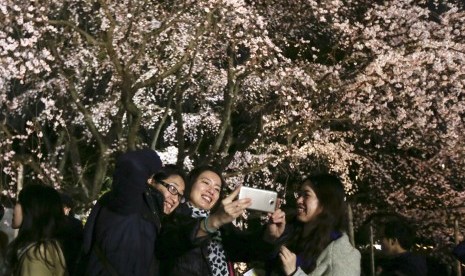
(199, 238)
(121, 231)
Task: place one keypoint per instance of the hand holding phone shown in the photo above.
(262, 200)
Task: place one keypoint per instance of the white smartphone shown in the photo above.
(262, 200)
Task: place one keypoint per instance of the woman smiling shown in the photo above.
(199, 238)
(316, 242)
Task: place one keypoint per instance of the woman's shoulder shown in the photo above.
(50, 247)
(180, 215)
(342, 246)
(341, 257)
(339, 249)
(44, 258)
(183, 210)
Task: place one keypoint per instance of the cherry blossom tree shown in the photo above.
(109, 77)
(270, 91)
(408, 103)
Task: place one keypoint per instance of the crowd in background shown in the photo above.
(156, 220)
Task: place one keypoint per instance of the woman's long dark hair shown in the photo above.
(332, 218)
(42, 219)
(195, 173)
(167, 171)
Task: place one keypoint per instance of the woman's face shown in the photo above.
(308, 206)
(206, 190)
(17, 216)
(171, 200)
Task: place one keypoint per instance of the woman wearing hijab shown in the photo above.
(120, 233)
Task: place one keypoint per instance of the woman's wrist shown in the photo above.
(214, 221)
(208, 227)
(293, 272)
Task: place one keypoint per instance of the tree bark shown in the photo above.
(351, 223)
(458, 265)
(372, 251)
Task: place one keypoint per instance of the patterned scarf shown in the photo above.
(216, 256)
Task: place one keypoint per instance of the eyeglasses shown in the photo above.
(173, 190)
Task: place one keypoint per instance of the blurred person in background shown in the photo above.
(72, 234)
(397, 241)
(38, 214)
(3, 242)
(459, 252)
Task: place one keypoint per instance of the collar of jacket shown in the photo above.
(154, 201)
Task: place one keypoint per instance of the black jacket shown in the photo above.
(459, 252)
(407, 264)
(121, 231)
(72, 242)
(182, 253)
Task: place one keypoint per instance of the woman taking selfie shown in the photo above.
(316, 242)
(199, 239)
(38, 215)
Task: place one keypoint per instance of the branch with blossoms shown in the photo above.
(89, 38)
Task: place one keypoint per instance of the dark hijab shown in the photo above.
(122, 225)
(132, 171)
